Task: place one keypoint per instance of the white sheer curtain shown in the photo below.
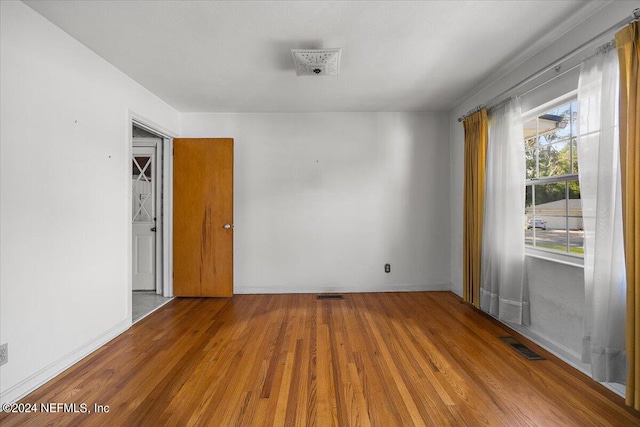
(503, 289)
(600, 192)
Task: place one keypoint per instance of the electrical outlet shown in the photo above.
(4, 354)
(387, 268)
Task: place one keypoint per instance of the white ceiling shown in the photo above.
(235, 56)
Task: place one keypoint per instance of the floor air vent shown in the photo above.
(329, 296)
(522, 349)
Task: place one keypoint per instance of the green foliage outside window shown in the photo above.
(557, 155)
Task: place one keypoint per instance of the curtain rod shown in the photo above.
(634, 15)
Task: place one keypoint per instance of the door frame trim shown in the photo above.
(167, 196)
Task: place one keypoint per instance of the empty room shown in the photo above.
(350, 213)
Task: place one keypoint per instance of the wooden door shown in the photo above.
(203, 217)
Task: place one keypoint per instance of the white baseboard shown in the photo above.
(563, 353)
(566, 354)
(26, 386)
(340, 288)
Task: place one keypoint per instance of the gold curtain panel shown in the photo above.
(628, 45)
(475, 155)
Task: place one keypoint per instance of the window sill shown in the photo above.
(553, 256)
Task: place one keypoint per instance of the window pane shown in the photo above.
(142, 196)
(548, 224)
(553, 213)
(528, 196)
(574, 162)
(574, 118)
(528, 211)
(543, 140)
(563, 131)
(530, 164)
(576, 232)
(530, 144)
(554, 160)
(563, 127)
(548, 196)
(563, 163)
(141, 163)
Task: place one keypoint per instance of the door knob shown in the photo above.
(227, 226)
(153, 229)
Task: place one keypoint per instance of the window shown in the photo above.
(553, 212)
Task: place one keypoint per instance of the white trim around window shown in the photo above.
(553, 256)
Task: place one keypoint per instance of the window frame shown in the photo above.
(541, 252)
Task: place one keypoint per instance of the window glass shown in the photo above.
(553, 210)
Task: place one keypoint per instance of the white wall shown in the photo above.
(556, 293)
(556, 290)
(324, 200)
(64, 197)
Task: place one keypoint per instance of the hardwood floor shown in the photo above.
(391, 359)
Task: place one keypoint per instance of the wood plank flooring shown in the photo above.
(385, 359)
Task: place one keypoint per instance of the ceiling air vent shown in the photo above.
(317, 62)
